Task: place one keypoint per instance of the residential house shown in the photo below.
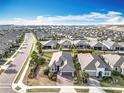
(115, 46)
(93, 65)
(97, 45)
(66, 43)
(62, 63)
(115, 61)
(50, 44)
(81, 44)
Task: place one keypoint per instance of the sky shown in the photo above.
(61, 12)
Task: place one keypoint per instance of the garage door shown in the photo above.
(67, 73)
(92, 73)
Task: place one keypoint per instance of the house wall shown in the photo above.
(122, 71)
(100, 70)
(107, 73)
(104, 73)
(67, 73)
(91, 72)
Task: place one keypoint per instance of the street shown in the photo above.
(9, 75)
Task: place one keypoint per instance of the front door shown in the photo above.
(57, 68)
(100, 73)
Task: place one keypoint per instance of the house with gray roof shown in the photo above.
(115, 46)
(115, 61)
(93, 65)
(81, 44)
(50, 44)
(3, 48)
(62, 63)
(65, 43)
(97, 45)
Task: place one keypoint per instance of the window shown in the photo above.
(116, 68)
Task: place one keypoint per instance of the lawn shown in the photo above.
(47, 56)
(2, 62)
(44, 90)
(113, 91)
(80, 90)
(109, 83)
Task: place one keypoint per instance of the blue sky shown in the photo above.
(61, 11)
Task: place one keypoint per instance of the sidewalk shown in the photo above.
(64, 90)
(6, 64)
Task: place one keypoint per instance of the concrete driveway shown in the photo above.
(94, 82)
(64, 80)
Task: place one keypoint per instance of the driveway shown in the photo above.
(64, 80)
(94, 82)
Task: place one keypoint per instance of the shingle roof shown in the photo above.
(50, 43)
(80, 42)
(65, 57)
(90, 62)
(114, 60)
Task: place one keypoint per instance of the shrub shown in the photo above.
(77, 65)
(52, 76)
(85, 51)
(32, 73)
(46, 71)
(116, 73)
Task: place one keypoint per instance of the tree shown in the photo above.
(39, 47)
(77, 65)
(46, 71)
(75, 52)
(40, 61)
(34, 56)
(84, 76)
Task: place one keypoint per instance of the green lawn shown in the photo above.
(113, 91)
(47, 56)
(80, 90)
(43, 90)
(119, 82)
(2, 62)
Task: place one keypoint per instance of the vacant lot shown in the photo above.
(40, 79)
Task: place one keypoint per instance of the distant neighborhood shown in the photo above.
(66, 55)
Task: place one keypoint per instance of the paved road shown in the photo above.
(8, 76)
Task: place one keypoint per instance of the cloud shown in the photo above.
(111, 17)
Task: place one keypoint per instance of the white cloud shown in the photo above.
(112, 17)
